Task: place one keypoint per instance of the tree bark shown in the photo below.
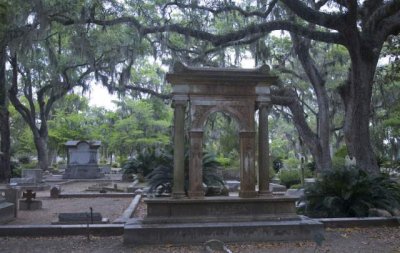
(5, 144)
(319, 146)
(41, 147)
(356, 95)
(39, 137)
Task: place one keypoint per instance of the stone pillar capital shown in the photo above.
(179, 100)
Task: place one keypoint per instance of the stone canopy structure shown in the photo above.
(237, 92)
(253, 216)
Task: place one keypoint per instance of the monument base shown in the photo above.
(7, 212)
(31, 205)
(138, 233)
(82, 172)
(229, 219)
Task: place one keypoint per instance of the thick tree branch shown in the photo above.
(227, 8)
(216, 40)
(330, 21)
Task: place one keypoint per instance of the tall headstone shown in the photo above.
(83, 159)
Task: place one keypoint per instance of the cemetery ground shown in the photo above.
(349, 240)
(372, 239)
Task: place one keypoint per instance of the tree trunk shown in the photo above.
(41, 147)
(357, 94)
(319, 146)
(5, 165)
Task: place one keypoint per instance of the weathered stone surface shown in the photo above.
(258, 231)
(55, 191)
(80, 218)
(30, 205)
(7, 211)
(276, 188)
(35, 174)
(83, 160)
(166, 210)
(236, 92)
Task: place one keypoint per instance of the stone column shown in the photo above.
(196, 165)
(263, 149)
(178, 190)
(247, 164)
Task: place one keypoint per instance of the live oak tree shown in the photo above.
(361, 28)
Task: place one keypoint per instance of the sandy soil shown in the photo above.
(366, 240)
(110, 208)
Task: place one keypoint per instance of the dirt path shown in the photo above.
(366, 240)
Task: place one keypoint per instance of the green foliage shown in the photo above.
(291, 163)
(350, 192)
(292, 176)
(16, 169)
(289, 177)
(147, 160)
(341, 152)
(161, 178)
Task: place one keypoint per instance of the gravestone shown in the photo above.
(55, 191)
(30, 179)
(7, 210)
(12, 196)
(35, 174)
(80, 218)
(29, 203)
(83, 160)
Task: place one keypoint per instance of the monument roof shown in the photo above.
(92, 144)
(228, 76)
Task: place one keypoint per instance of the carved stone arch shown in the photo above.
(230, 111)
(237, 92)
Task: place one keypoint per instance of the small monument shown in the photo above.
(30, 179)
(29, 203)
(7, 210)
(83, 160)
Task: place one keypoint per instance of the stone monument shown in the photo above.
(83, 159)
(257, 214)
(7, 210)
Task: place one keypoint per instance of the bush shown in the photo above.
(350, 192)
(289, 177)
(24, 159)
(161, 178)
(16, 169)
(146, 161)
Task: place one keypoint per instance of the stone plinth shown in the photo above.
(167, 210)
(7, 211)
(82, 172)
(189, 233)
(30, 205)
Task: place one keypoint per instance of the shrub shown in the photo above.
(146, 161)
(350, 192)
(161, 178)
(16, 169)
(289, 177)
(24, 159)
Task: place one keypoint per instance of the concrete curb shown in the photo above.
(129, 211)
(95, 195)
(360, 222)
(118, 229)
(62, 230)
